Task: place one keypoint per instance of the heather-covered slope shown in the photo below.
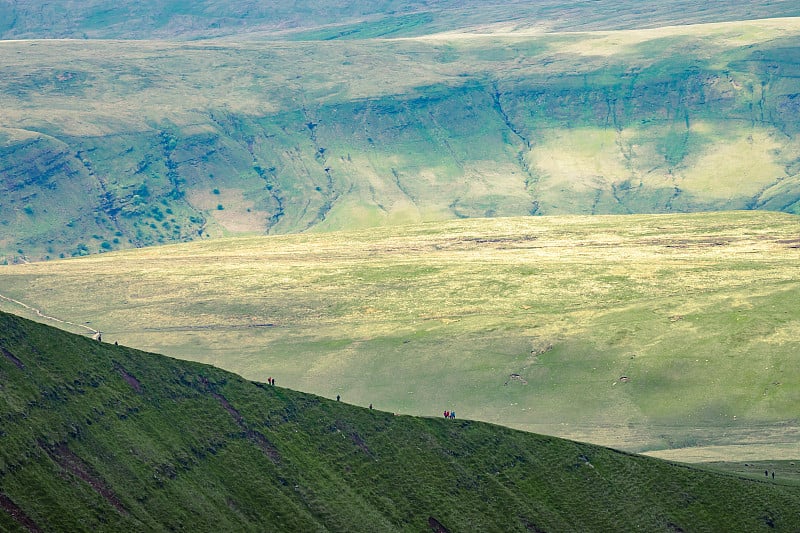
(102, 437)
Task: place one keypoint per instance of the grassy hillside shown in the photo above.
(641, 332)
(106, 438)
(108, 145)
(335, 19)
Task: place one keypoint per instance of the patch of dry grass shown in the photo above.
(697, 311)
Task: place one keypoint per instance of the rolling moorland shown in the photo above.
(336, 19)
(674, 335)
(115, 144)
(357, 183)
(97, 437)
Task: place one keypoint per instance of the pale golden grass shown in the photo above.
(609, 43)
(575, 165)
(579, 159)
(423, 317)
(743, 165)
(739, 33)
(372, 199)
(741, 452)
(14, 135)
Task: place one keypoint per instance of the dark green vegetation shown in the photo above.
(107, 144)
(96, 437)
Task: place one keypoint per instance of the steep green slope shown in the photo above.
(170, 142)
(106, 438)
(335, 19)
(640, 332)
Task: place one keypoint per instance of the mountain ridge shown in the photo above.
(103, 437)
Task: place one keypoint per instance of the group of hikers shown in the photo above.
(447, 414)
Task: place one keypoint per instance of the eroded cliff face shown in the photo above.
(494, 130)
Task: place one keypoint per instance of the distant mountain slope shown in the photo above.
(106, 145)
(331, 19)
(101, 437)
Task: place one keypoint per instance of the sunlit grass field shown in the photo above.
(647, 333)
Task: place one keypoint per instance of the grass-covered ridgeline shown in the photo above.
(97, 437)
(116, 144)
(641, 332)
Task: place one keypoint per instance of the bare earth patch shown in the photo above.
(238, 215)
(10, 356)
(17, 514)
(129, 378)
(73, 464)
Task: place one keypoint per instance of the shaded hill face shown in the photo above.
(335, 19)
(110, 145)
(103, 437)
